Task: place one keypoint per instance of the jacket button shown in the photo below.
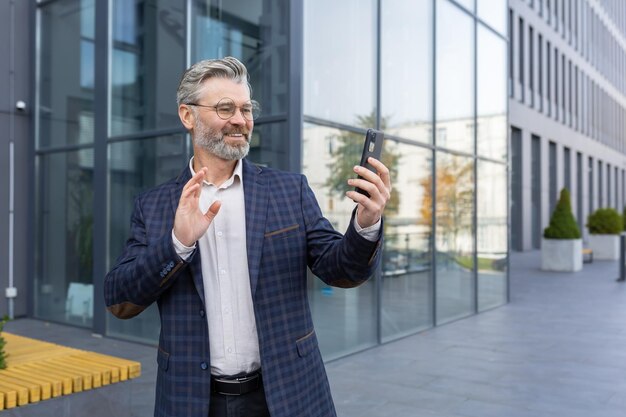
(204, 366)
(201, 313)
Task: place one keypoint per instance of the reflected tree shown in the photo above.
(454, 198)
(346, 153)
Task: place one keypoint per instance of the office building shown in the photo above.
(567, 110)
(100, 126)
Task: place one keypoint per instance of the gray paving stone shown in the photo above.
(476, 408)
(558, 349)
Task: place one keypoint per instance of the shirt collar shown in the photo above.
(237, 174)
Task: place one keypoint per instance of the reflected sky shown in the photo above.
(339, 59)
(407, 67)
(493, 12)
(492, 95)
(468, 4)
(455, 76)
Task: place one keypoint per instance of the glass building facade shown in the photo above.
(431, 74)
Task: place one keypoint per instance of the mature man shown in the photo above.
(223, 249)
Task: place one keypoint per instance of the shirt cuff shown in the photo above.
(183, 251)
(370, 233)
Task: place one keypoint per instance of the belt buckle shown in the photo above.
(235, 382)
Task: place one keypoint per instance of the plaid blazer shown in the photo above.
(286, 232)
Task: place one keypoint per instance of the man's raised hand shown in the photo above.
(190, 223)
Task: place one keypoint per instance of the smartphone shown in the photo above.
(373, 147)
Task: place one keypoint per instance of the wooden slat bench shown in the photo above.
(38, 370)
(587, 255)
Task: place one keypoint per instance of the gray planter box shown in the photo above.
(604, 247)
(562, 255)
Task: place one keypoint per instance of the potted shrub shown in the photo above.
(561, 247)
(605, 225)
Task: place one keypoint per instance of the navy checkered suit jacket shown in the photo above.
(286, 232)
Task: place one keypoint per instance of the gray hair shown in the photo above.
(190, 86)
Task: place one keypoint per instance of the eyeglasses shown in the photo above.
(226, 108)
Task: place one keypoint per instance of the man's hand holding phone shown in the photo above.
(373, 184)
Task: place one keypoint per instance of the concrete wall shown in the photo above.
(15, 84)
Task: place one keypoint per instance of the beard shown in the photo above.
(212, 141)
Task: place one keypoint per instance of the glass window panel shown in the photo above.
(65, 100)
(468, 4)
(135, 166)
(147, 60)
(407, 279)
(87, 19)
(536, 191)
(87, 72)
(455, 78)
(269, 146)
(454, 237)
(406, 74)
(493, 12)
(492, 247)
(345, 319)
(254, 32)
(492, 96)
(340, 60)
(64, 264)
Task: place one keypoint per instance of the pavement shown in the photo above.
(558, 348)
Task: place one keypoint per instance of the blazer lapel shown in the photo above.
(195, 265)
(256, 197)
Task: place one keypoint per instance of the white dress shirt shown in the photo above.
(233, 340)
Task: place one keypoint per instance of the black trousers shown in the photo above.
(252, 404)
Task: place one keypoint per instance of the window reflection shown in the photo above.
(66, 61)
(491, 230)
(339, 59)
(135, 166)
(454, 238)
(407, 278)
(64, 265)
(455, 77)
(493, 12)
(468, 4)
(147, 60)
(406, 74)
(268, 145)
(345, 319)
(254, 32)
(492, 96)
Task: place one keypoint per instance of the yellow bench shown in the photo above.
(38, 370)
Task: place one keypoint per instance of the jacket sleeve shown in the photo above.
(341, 261)
(143, 271)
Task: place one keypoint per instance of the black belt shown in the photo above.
(236, 385)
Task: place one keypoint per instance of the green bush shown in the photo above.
(605, 221)
(562, 224)
(624, 218)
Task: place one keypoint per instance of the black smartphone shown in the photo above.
(373, 147)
